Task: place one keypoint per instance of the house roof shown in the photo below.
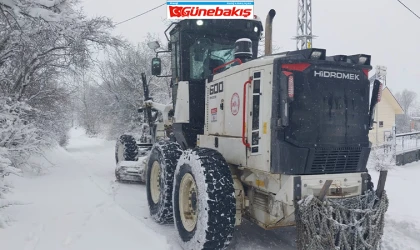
(387, 94)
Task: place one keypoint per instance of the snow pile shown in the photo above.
(19, 139)
(34, 166)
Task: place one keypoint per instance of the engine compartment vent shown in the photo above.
(335, 160)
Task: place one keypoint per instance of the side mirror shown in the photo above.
(156, 66)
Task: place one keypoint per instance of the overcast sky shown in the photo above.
(381, 28)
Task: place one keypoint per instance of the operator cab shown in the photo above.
(197, 48)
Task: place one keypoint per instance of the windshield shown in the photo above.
(206, 55)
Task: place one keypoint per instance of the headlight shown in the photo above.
(316, 55)
(362, 60)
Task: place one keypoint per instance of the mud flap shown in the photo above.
(344, 223)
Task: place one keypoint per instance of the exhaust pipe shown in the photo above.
(269, 32)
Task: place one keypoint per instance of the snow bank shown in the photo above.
(74, 206)
(37, 165)
(402, 223)
(401, 235)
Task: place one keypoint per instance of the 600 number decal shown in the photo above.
(216, 88)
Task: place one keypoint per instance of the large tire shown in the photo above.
(159, 180)
(126, 149)
(212, 204)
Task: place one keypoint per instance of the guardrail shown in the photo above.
(403, 148)
(406, 147)
(407, 142)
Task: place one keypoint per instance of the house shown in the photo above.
(386, 111)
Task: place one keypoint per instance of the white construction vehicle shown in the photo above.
(280, 140)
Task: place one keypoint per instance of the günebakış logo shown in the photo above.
(210, 10)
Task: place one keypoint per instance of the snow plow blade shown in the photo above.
(353, 223)
(130, 171)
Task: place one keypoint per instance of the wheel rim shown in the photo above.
(120, 153)
(188, 202)
(155, 182)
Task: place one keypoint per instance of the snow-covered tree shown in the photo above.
(41, 42)
(47, 34)
(407, 99)
(20, 133)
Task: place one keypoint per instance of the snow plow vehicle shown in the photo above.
(280, 140)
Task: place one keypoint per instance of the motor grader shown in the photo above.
(280, 140)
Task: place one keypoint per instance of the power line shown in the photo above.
(409, 9)
(140, 14)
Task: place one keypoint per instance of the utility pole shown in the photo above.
(304, 25)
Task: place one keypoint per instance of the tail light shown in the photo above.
(291, 86)
(380, 92)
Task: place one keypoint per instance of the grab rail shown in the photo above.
(226, 64)
(244, 139)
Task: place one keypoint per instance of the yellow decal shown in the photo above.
(265, 128)
(260, 183)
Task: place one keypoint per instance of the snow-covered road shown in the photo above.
(79, 206)
(74, 206)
